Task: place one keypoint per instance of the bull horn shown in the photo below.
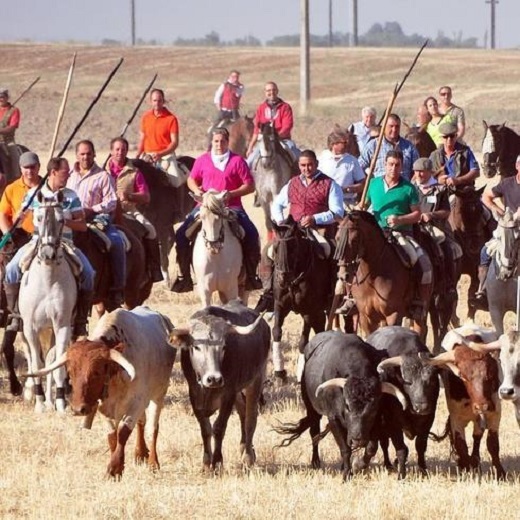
(442, 359)
(389, 388)
(53, 366)
(247, 329)
(337, 382)
(453, 339)
(494, 346)
(118, 358)
(396, 361)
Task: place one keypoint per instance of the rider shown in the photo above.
(220, 169)
(9, 156)
(159, 136)
(315, 200)
(508, 189)
(96, 191)
(74, 220)
(227, 98)
(450, 109)
(132, 190)
(435, 210)
(276, 111)
(395, 205)
(391, 141)
(361, 129)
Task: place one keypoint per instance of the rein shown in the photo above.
(283, 259)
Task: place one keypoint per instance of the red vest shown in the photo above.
(311, 199)
(230, 100)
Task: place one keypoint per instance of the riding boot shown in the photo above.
(419, 306)
(251, 258)
(266, 301)
(153, 256)
(481, 302)
(11, 295)
(83, 306)
(183, 283)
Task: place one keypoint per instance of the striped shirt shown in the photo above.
(95, 189)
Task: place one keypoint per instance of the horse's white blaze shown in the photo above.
(488, 145)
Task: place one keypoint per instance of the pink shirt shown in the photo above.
(140, 185)
(235, 174)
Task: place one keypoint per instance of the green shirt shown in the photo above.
(392, 201)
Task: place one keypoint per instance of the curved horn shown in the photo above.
(389, 388)
(117, 357)
(494, 346)
(396, 361)
(44, 371)
(442, 359)
(337, 382)
(247, 329)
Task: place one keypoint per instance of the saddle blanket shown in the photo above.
(176, 172)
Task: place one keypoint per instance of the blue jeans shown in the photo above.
(13, 273)
(485, 258)
(117, 258)
(287, 143)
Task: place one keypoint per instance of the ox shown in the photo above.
(406, 368)
(224, 356)
(126, 369)
(471, 388)
(340, 381)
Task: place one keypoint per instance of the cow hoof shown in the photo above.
(249, 458)
(15, 387)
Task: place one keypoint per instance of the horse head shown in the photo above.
(508, 245)
(270, 145)
(214, 214)
(49, 221)
(491, 148)
(421, 139)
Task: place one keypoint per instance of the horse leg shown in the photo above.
(36, 363)
(9, 353)
(63, 336)
(278, 361)
(473, 286)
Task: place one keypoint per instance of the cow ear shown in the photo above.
(180, 338)
(120, 347)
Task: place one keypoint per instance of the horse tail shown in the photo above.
(294, 431)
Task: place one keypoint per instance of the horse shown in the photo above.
(6, 155)
(303, 282)
(217, 252)
(48, 293)
(467, 221)
(500, 148)
(382, 287)
(421, 139)
(168, 205)
(502, 277)
(240, 133)
(272, 170)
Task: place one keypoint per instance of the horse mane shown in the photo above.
(214, 203)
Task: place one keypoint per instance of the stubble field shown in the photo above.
(51, 468)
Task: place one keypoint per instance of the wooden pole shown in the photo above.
(305, 84)
(132, 21)
(378, 146)
(25, 91)
(354, 40)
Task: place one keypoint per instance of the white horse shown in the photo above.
(217, 252)
(47, 297)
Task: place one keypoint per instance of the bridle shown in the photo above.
(49, 236)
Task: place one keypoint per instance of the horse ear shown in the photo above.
(480, 190)
(486, 126)
(502, 125)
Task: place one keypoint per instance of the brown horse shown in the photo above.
(240, 133)
(500, 148)
(420, 138)
(467, 220)
(382, 286)
(168, 205)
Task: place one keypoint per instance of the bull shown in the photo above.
(123, 372)
(340, 381)
(223, 357)
(406, 368)
(471, 388)
(510, 362)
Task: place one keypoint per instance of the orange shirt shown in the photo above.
(157, 130)
(11, 203)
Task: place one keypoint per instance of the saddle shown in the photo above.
(325, 247)
(104, 242)
(407, 249)
(176, 172)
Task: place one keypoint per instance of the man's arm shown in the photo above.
(140, 146)
(410, 218)
(279, 204)
(286, 122)
(488, 198)
(109, 198)
(335, 203)
(218, 96)
(12, 124)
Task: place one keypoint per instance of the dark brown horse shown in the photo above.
(240, 133)
(168, 205)
(420, 138)
(303, 281)
(382, 286)
(500, 148)
(468, 222)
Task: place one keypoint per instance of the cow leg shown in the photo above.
(461, 447)
(421, 443)
(401, 451)
(206, 433)
(240, 405)
(492, 441)
(474, 459)
(340, 436)
(141, 450)
(117, 460)
(361, 462)
(153, 413)
(253, 393)
(314, 429)
(384, 442)
(219, 430)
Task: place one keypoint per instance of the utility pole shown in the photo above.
(305, 82)
(354, 40)
(493, 3)
(330, 23)
(132, 21)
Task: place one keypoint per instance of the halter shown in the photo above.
(50, 228)
(215, 205)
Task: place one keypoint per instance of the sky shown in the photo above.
(166, 20)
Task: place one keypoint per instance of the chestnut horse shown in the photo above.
(382, 286)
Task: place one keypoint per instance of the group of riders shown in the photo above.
(406, 190)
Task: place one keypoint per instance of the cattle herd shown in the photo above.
(372, 393)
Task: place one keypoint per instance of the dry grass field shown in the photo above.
(53, 469)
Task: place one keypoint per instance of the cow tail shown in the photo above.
(293, 430)
(443, 435)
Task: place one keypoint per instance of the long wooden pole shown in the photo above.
(378, 146)
(25, 91)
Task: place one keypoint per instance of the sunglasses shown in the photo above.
(444, 93)
(449, 136)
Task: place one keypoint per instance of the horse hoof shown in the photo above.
(60, 405)
(28, 393)
(39, 407)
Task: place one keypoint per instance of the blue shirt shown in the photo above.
(335, 203)
(410, 155)
(449, 165)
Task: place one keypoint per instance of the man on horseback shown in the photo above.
(9, 156)
(95, 189)
(58, 173)
(391, 141)
(316, 202)
(361, 129)
(132, 190)
(220, 170)
(278, 113)
(508, 190)
(227, 98)
(394, 202)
